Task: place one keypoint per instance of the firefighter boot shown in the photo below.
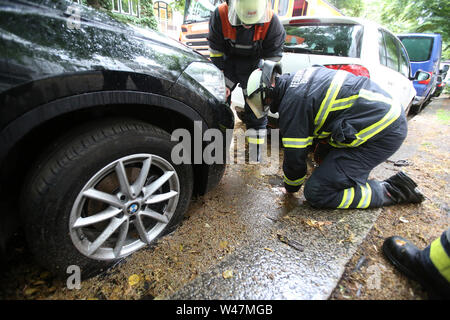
(411, 261)
(401, 189)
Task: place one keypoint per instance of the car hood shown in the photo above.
(41, 38)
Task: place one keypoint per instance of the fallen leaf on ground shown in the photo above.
(403, 220)
(133, 280)
(227, 274)
(223, 244)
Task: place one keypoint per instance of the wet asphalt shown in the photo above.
(290, 250)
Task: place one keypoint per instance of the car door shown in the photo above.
(394, 64)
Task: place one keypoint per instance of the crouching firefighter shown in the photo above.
(362, 124)
(241, 32)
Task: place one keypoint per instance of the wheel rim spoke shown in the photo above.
(161, 197)
(103, 197)
(154, 215)
(141, 229)
(136, 188)
(101, 216)
(123, 179)
(150, 189)
(110, 229)
(122, 237)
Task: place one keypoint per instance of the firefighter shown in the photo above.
(362, 125)
(430, 267)
(241, 32)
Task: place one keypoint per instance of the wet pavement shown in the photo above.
(246, 239)
(289, 250)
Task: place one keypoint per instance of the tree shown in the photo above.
(353, 8)
(178, 5)
(406, 16)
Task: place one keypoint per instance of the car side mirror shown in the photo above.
(445, 68)
(421, 75)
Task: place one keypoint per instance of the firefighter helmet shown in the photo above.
(259, 87)
(248, 12)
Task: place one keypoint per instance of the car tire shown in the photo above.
(78, 208)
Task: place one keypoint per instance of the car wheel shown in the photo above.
(102, 193)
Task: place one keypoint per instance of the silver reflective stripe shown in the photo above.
(329, 99)
(366, 196)
(343, 103)
(297, 142)
(367, 133)
(347, 198)
(294, 183)
(243, 46)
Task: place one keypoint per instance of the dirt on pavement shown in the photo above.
(181, 256)
(369, 275)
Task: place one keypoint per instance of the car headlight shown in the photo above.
(210, 77)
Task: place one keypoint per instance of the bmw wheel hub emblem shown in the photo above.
(132, 209)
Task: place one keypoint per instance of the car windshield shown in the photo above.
(331, 39)
(419, 48)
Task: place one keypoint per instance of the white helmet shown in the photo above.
(248, 12)
(259, 87)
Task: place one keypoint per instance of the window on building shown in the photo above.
(130, 7)
(163, 13)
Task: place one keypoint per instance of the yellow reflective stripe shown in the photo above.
(343, 103)
(323, 135)
(440, 258)
(366, 197)
(347, 198)
(215, 54)
(329, 99)
(367, 133)
(374, 96)
(255, 140)
(297, 142)
(294, 183)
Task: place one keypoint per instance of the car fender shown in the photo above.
(22, 125)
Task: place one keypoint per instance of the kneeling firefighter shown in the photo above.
(361, 123)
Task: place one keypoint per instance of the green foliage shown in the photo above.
(146, 18)
(424, 16)
(353, 8)
(404, 16)
(178, 5)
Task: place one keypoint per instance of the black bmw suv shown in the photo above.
(87, 105)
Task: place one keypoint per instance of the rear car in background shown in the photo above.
(87, 108)
(424, 51)
(354, 45)
(440, 83)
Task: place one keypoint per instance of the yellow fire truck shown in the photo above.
(197, 12)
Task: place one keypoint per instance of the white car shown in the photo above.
(359, 46)
(355, 45)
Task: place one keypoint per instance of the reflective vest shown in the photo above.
(229, 32)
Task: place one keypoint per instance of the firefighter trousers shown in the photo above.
(342, 182)
(435, 260)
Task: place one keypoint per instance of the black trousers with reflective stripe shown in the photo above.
(436, 260)
(341, 181)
